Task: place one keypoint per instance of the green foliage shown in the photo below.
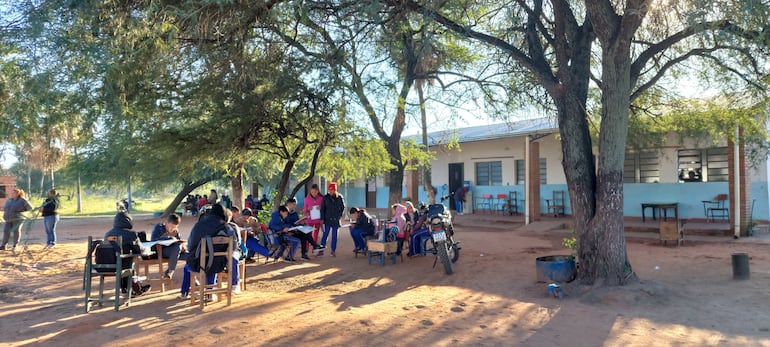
(356, 156)
(415, 155)
(571, 243)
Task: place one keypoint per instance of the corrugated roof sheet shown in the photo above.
(492, 131)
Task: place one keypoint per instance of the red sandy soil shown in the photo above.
(687, 297)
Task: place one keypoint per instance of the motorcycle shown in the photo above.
(442, 236)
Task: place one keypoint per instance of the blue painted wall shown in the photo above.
(690, 196)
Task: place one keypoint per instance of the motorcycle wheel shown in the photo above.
(453, 251)
(441, 253)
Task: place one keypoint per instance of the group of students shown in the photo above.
(411, 224)
(194, 203)
(218, 220)
(322, 213)
(320, 210)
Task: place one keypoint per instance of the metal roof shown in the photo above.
(544, 125)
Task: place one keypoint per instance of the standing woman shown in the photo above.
(332, 207)
(312, 211)
(14, 207)
(50, 211)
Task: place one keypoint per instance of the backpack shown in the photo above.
(106, 253)
(214, 264)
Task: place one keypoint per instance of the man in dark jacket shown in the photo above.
(304, 239)
(121, 227)
(332, 207)
(169, 231)
(216, 221)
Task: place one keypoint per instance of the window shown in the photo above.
(489, 173)
(641, 167)
(690, 165)
(703, 165)
(520, 171)
(716, 165)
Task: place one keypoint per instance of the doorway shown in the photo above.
(371, 193)
(456, 179)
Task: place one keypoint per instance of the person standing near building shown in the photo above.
(15, 206)
(460, 198)
(332, 207)
(50, 212)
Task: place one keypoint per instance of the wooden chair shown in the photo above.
(200, 290)
(242, 263)
(92, 269)
(716, 208)
(154, 259)
(556, 204)
(671, 230)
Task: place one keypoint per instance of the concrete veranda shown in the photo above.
(701, 231)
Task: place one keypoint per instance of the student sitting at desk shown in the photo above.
(280, 226)
(169, 231)
(361, 228)
(304, 239)
(215, 223)
(254, 233)
(121, 227)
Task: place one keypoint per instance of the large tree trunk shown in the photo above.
(427, 183)
(611, 261)
(236, 183)
(602, 246)
(280, 190)
(396, 176)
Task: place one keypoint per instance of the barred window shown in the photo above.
(489, 173)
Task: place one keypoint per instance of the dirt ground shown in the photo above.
(687, 298)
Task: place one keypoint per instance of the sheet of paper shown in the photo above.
(303, 228)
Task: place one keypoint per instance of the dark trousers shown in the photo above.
(304, 240)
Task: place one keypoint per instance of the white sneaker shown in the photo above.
(236, 289)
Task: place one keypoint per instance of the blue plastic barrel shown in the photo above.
(555, 268)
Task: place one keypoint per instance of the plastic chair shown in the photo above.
(486, 202)
(92, 269)
(501, 203)
(201, 289)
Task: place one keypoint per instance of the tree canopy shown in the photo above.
(198, 90)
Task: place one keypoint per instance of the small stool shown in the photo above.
(381, 250)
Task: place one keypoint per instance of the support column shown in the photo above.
(740, 195)
(533, 181)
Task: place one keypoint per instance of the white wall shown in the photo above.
(506, 150)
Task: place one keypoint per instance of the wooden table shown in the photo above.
(664, 206)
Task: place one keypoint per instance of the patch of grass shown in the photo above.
(98, 205)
